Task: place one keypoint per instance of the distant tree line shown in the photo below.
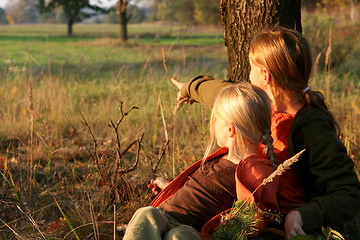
(204, 12)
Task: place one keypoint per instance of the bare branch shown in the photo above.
(127, 149)
(137, 157)
(104, 174)
(161, 154)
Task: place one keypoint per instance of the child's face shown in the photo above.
(221, 132)
(257, 76)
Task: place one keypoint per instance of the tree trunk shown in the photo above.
(242, 19)
(70, 27)
(122, 19)
(123, 26)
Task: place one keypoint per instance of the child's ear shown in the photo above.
(231, 130)
(267, 76)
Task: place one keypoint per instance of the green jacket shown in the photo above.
(325, 169)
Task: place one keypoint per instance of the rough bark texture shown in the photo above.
(122, 19)
(242, 19)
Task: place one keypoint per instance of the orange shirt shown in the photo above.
(291, 192)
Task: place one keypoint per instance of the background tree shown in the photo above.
(3, 19)
(162, 10)
(22, 11)
(75, 10)
(55, 16)
(207, 12)
(137, 14)
(242, 19)
(183, 11)
(123, 19)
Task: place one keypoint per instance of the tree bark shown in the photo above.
(242, 19)
(70, 27)
(122, 19)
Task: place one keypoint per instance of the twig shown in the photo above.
(128, 147)
(31, 111)
(115, 128)
(32, 222)
(95, 156)
(161, 154)
(16, 234)
(114, 222)
(164, 122)
(164, 59)
(137, 157)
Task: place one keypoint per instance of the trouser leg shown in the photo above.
(147, 223)
(182, 232)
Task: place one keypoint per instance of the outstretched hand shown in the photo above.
(179, 85)
(293, 225)
(158, 184)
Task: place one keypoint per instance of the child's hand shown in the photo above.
(293, 225)
(158, 184)
(179, 85)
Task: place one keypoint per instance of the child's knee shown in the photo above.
(183, 232)
(148, 212)
(150, 217)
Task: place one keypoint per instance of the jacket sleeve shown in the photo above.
(203, 89)
(327, 174)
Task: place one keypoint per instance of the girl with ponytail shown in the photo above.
(321, 189)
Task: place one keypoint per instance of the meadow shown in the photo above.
(60, 96)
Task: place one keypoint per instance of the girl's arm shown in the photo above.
(202, 89)
(326, 172)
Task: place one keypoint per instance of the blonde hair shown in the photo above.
(286, 54)
(248, 109)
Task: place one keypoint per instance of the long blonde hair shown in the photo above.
(248, 109)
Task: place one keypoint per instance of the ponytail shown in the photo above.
(267, 140)
(316, 99)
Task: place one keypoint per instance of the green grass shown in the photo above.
(93, 73)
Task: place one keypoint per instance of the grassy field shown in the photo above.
(51, 183)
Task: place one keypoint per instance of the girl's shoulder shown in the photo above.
(255, 164)
(311, 117)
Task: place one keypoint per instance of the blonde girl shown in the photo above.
(321, 187)
(240, 122)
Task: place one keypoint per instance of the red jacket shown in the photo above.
(250, 173)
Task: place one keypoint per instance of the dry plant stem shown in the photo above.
(15, 233)
(95, 156)
(31, 111)
(85, 225)
(94, 223)
(328, 62)
(164, 59)
(161, 154)
(31, 219)
(116, 128)
(114, 222)
(122, 171)
(164, 122)
(14, 221)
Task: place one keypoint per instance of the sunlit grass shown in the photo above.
(93, 73)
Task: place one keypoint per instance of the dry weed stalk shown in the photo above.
(114, 177)
(158, 160)
(31, 111)
(164, 59)
(328, 62)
